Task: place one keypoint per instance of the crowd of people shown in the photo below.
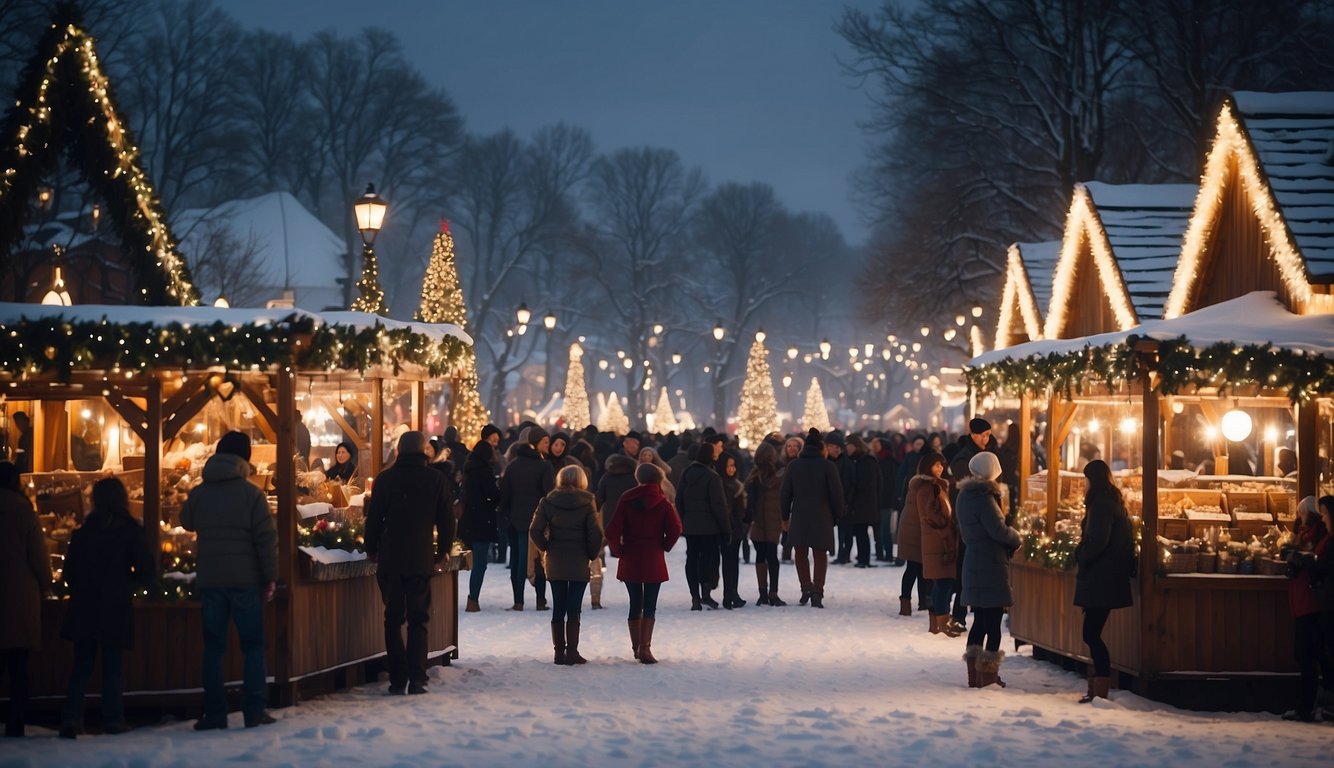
(553, 506)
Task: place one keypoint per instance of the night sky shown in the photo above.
(749, 90)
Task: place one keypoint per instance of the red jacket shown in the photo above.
(1301, 598)
(642, 530)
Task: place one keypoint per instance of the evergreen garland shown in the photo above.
(757, 414)
(65, 103)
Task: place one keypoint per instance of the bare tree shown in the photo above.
(271, 117)
(229, 265)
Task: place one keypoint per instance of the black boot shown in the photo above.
(558, 641)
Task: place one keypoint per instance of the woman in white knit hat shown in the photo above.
(989, 542)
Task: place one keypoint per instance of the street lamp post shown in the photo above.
(370, 210)
(549, 322)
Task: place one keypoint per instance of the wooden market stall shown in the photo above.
(1211, 602)
(146, 392)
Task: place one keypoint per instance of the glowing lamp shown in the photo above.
(1094, 425)
(1128, 426)
(549, 322)
(1236, 425)
(57, 296)
(523, 314)
(676, 358)
(787, 380)
(760, 335)
(657, 329)
(825, 347)
(977, 310)
(221, 302)
(370, 209)
(792, 353)
(926, 331)
(718, 331)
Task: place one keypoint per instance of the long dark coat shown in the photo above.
(940, 538)
(566, 531)
(864, 502)
(988, 543)
(1104, 554)
(108, 557)
(762, 497)
(481, 497)
(643, 527)
(701, 503)
(811, 500)
(410, 502)
(910, 522)
(737, 513)
(619, 478)
(25, 572)
(527, 479)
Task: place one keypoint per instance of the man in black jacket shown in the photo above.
(704, 523)
(411, 501)
(527, 479)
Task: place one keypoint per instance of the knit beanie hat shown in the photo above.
(813, 437)
(236, 444)
(985, 465)
(978, 426)
(535, 435)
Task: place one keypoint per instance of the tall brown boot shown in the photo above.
(633, 624)
(572, 656)
(988, 668)
(970, 655)
(905, 606)
(646, 642)
(1088, 696)
(558, 640)
(932, 625)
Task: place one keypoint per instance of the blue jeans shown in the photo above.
(113, 683)
(567, 600)
(941, 589)
(481, 552)
(244, 607)
(644, 598)
(519, 568)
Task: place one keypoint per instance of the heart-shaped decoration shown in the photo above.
(224, 389)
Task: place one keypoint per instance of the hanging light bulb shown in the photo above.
(1236, 424)
(57, 296)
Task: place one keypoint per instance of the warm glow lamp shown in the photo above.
(1236, 425)
(370, 209)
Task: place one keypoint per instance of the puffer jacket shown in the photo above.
(565, 530)
(701, 504)
(618, 478)
(988, 544)
(811, 500)
(527, 479)
(237, 539)
(412, 504)
(738, 515)
(762, 497)
(864, 501)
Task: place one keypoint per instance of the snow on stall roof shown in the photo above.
(1256, 318)
(1293, 136)
(162, 316)
(1040, 263)
(295, 249)
(1145, 224)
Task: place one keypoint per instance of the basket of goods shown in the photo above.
(1208, 559)
(1270, 566)
(1179, 556)
(1228, 563)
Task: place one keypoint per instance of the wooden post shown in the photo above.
(1148, 557)
(377, 426)
(153, 466)
(285, 477)
(1308, 451)
(418, 417)
(1024, 436)
(1054, 417)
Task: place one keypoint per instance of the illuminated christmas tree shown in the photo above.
(815, 417)
(664, 419)
(370, 296)
(576, 391)
(757, 415)
(442, 302)
(613, 418)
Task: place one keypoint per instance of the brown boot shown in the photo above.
(945, 626)
(970, 655)
(634, 635)
(988, 668)
(905, 606)
(932, 625)
(473, 607)
(572, 656)
(558, 640)
(646, 641)
(1099, 687)
(1087, 697)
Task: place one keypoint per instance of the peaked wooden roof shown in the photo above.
(1027, 291)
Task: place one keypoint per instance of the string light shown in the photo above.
(1083, 225)
(1017, 294)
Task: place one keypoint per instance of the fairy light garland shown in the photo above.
(87, 119)
(1017, 295)
(1233, 144)
(1082, 225)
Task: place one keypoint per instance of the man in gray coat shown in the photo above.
(236, 573)
(411, 505)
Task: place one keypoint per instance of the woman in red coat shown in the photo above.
(642, 530)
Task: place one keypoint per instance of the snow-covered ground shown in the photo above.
(851, 684)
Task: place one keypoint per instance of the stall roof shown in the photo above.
(1144, 225)
(1039, 260)
(1257, 318)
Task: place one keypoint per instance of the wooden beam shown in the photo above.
(268, 420)
(286, 481)
(1054, 411)
(189, 387)
(130, 412)
(153, 468)
(1148, 560)
(1024, 436)
(1308, 449)
(418, 418)
(336, 413)
(180, 411)
(377, 426)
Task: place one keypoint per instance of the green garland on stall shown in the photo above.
(1179, 367)
(1056, 552)
(53, 345)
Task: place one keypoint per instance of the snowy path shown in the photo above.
(852, 684)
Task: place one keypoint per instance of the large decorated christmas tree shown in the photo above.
(613, 418)
(664, 419)
(757, 415)
(576, 391)
(442, 302)
(815, 417)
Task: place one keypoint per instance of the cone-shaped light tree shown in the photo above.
(757, 415)
(576, 391)
(442, 302)
(613, 418)
(815, 417)
(664, 419)
(370, 296)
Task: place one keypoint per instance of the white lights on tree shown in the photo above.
(1236, 425)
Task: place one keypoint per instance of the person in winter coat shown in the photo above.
(930, 473)
(25, 578)
(411, 502)
(836, 453)
(618, 477)
(236, 572)
(864, 501)
(763, 489)
(730, 553)
(559, 455)
(565, 529)
(1105, 555)
(644, 526)
(649, 455)
(344, 468)
(528, 478)
(108, 557)
(810, 500)
(988, 544)
(1311, 596)
(940, 548)
(978, 439)
(883, 452)
(703, 509)
(477, 527)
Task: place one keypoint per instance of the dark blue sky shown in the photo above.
(749, 90)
